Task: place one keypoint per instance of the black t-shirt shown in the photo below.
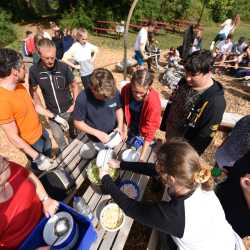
(135, 110)
(97, 114)
(55, 85)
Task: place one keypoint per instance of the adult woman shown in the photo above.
(22, 201)
(142, 108)
(193, 217)
(84, 53)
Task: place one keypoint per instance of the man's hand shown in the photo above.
(77, 66)
(62, 122)
(114, 163)
(44, 163)
(102, 136)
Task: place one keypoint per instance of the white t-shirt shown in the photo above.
(225, 47)
(81, 54)
(227, 28)
(141, 38)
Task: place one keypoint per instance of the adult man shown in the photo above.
(140, 43)
(54, 79)
(197, 106)
(18, 117)
(84, 53)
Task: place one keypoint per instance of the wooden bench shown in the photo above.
(114, 240)
(71, 161)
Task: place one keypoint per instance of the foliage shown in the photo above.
(7, 33)
(242, 7)
(221, 9)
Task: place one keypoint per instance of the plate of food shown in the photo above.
(112, 218)
(130, 188)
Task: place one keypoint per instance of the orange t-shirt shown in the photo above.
(16, 105)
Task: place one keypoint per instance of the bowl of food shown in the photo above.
(131, 155)
(112, 218)
(130, 188)
(115, 139)
(93, 176)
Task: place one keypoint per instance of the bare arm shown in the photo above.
(144, 150)
(119, 117)
(11, 131)
(83, 126)
(75, 89)
(49, 205)
(94, 51)
(38, 103)
(68, 55)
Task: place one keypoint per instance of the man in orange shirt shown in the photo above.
(18, 117)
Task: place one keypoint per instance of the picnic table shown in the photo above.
(115, 240)
(73, 163)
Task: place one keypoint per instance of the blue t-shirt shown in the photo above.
(97, 114)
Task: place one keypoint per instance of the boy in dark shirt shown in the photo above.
(98, 109)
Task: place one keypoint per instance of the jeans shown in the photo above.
(58, 132)
(43, 146)
(86, 81)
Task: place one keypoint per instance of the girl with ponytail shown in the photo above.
(193, 216)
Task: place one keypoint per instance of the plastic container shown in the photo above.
(136, 188)
(87, 234)
(137, 142)
(82, 207)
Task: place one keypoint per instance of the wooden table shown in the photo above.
(115, 240)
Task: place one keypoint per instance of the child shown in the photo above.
(98, 108)
(142, 108)
(194, 217)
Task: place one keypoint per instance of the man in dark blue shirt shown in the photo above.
(98, 110)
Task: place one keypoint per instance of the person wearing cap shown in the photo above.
(196, 107)
(234, 195)
(140, 43)
(56, 81)
(18, 117)
(235, 145)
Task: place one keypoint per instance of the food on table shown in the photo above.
(112, 217)
(130, 190)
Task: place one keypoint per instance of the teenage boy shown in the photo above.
(98, 109)
(196, 108)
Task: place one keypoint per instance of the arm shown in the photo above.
(38, 103)
(144, 150)
(94, 50)
(164, 216)
(75, 92)
(49, 205)
(68, 55)
(119, 118)
(11, 131)
(83, 126)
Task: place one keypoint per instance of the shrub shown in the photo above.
(7, 33)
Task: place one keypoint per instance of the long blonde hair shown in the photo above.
(177, 158)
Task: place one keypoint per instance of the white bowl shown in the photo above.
(115, 140)
(116, 215)
(130, 155)
(104, 156)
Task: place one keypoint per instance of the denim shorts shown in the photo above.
(139, 57)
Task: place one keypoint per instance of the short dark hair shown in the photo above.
(9, 59)
(103, 82)
(28, 32)
(45, 43)
(142, 77)
(199, 62)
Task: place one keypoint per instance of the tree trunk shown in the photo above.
(126, 38)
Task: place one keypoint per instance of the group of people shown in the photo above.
(193, 217)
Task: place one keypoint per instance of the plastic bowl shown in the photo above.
(125, 185)
(115, 140)
(65, 242)
(112, 214)
(130, 155)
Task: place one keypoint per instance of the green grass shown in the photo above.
(165, 39)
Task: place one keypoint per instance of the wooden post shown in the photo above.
(125, 36)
